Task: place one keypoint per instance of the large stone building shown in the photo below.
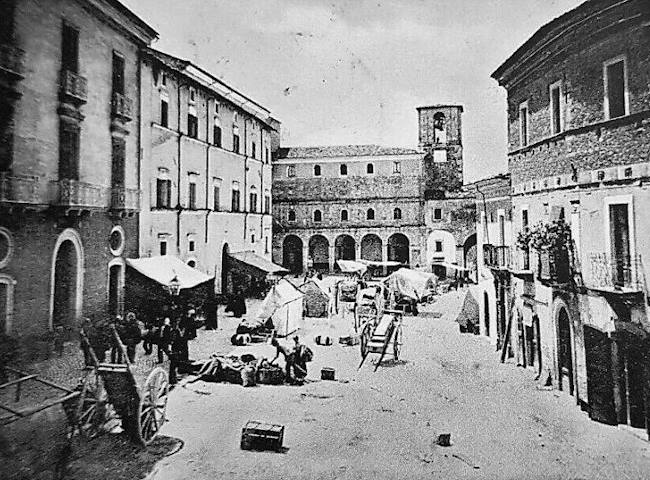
(69, 163)
(373, 203)
(579, 155)
(206, 169)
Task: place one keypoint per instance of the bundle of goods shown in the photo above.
(252, 331)
(239, 370)
(269, 374)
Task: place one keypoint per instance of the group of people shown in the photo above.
(295, 360)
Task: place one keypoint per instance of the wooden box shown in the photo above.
(262, 436)
(327, 373)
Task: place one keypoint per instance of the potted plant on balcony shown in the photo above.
(551, 240)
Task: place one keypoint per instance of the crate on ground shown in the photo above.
(349, 340)
(327, 373)
(262, 436)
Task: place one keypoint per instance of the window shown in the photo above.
(253, 150)
(370, 214)
(344, 215)
(216, 133)
(370, 169)
(615, 76)
(163, 248)
(235, 117)
(192, 195)
(524, 227)
(192, 125)
(70, 49)
(68, 151)
(397, 167)
(438, 246)
(437, 213)
(118, 157)
(118, 73)
(523, 124)
(266, 244)
(235, 139)
(291, 216)
(252, 201)
(317, 171)
(397, 214)
(216, 198)
(216, 108)
(344, 169)
(252, 237)
(318, 216)
(163, 193)
(192, 95)
(191, 263)
(163, 79)
(268, 155)
(291, 171)
(164, 113)
(556, 108)
(236, 200)
(267, 204)
(191, 245)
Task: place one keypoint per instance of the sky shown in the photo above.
(338, 72)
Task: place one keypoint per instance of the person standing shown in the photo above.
(177, 351)
(211, 320)
(301, 357)
(288, 359)
(164, 338)
(131, 335)
(116, 351)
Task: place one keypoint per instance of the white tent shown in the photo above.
(351, 266)
(317, 298)
(283, 305)
(163, 269)
(411, 283)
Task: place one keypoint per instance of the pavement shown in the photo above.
(384, 424)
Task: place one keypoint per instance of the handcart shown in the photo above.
(141, 409)
(384, 337)
(36, 421)
(369, 305)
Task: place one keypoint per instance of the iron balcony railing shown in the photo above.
(74, 86)
(554, 266)
(73, 193)
(125, 198)
(20, 189)
(616, 272)
(496, 256)
(12, 60)
(122, 106)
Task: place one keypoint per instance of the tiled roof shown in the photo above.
(342, 151)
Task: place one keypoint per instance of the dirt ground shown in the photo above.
(384, 424)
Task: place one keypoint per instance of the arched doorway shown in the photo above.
(225, 270)
(486, 313)
(66, 292)
(398, 248)
(565, 351)
(292, 254)
(344, 247)
(469, 251)
(371, 248)
(319, 248)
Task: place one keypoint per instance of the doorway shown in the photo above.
(65, 285)
(565, 352)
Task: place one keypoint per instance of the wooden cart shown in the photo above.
(141, 409)
(36, 420)
(367, 309)
(384, 337)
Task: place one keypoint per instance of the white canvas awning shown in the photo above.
(388, 263)
(261, 263)
(283, 305)
(163, 269)
(451, 266)
(351, 266)
(411, 283)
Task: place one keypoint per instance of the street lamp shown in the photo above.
(174, 286)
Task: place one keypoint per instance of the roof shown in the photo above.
(163, 269)
(440, 105)
(319, 286)
(134, 18)
(343, 151)
(261, 263)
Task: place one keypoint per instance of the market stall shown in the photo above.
(284, 306)
(252, 273)
(317, 298)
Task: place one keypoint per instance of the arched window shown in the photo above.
(344, 169)
(370, 215)
(344, 215)
(316, 170)
(397, 214)
(292, 216)
(318, 216)
(370, 169)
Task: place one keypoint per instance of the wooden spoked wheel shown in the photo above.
(91, 409)
(366, 333)
(153, 405)
(397, 342)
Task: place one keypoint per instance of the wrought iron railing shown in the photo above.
(554, 266)
(74, 86)
(616, 272)
(496, 256)
(520, 260)
(122, 106)
(125, 198)
(12, 60)
(73, 193)
(20, 189)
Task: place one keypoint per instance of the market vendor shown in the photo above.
(288, 355)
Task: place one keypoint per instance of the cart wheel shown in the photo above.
(153, 404)
(397, 342)
(365, 339)
(91, 409)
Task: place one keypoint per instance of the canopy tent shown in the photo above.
(351, 266)
(411, 283)
(283, 305)
(251, 260)
(148, 279)
(317, 298)
(468, 317)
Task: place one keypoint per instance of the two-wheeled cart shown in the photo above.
(383, 337)
(141, 409)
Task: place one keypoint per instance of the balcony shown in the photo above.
(621, 274)
(125, 199)
(78, 195)
(74, 87)
(497, 257)
(554, 266)
(121, 107)
(11, 60)
(20, 189)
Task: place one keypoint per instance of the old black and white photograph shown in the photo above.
(324, 239)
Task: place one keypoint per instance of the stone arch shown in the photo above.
(66, 279)
(292, 253)
(469, 251)
(399, 248)
(319, 250)
(344, 247)
(371, 247)
(566, 370)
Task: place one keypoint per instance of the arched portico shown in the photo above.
(398, 248)
(292, 253)
(66, 279)
(371, 247)
(319, 252)
(344, 247)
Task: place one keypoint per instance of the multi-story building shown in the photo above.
(579, 159)
(366, 201)
(69, 164)
(206, 169)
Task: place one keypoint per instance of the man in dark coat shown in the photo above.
(131, 335)
(164, 338)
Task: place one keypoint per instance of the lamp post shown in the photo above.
(174, 287)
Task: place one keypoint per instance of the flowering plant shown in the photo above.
(545, 236)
